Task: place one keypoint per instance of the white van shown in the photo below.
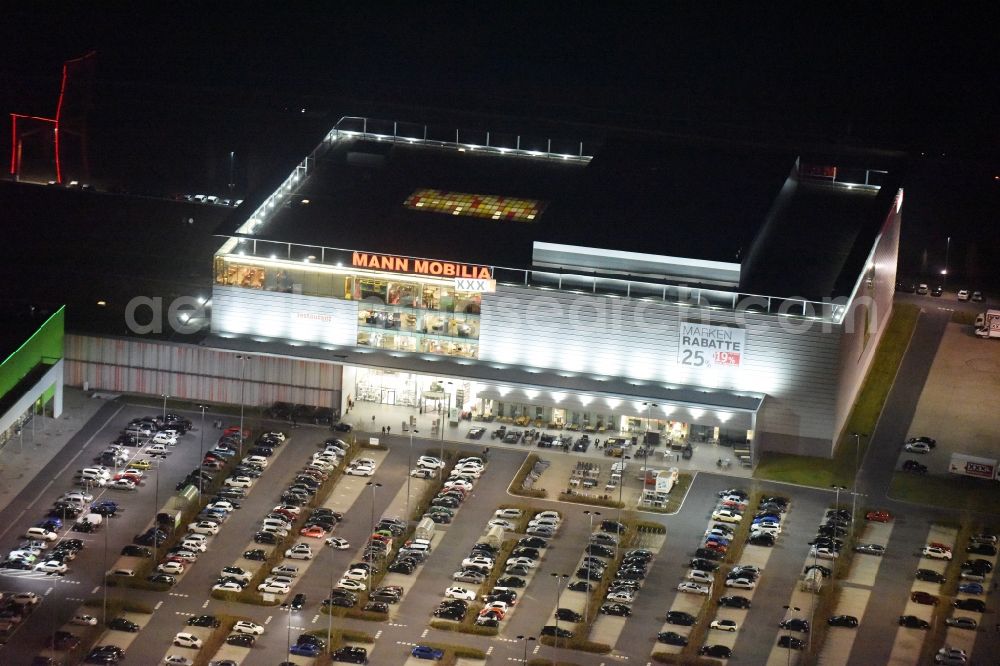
(94, 519)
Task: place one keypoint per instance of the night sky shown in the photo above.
(894, 75)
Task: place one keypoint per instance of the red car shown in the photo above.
(315, 531)
(878, 516)
(718, 547)
(235, 430)
(924, 598)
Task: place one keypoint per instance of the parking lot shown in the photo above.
(632, 619)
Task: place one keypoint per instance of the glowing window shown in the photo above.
(488, 206)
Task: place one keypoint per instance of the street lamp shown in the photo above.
(621, 487)
(409, 468)
(164, 417)
(524, 659)
(288, 630)
(590, 515)
(947, 253)
(201, 450)
(836, 521)
(857, 454)
(788, 654)
(243, 367)
(559, 578)
(649, 418)
(445, 419)
(373, 486)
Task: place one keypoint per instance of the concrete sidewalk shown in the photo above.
(704, 458)
(23, 457)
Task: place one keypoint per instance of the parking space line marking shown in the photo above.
(48, 590)
(315, 618)
(205, 605)
(268, 619)
(96, 588)
(424, 635)
(158, 605)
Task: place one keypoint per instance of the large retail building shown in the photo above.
(688, 288)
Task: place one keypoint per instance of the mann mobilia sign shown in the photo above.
(468, 277)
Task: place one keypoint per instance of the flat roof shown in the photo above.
(671, 197)
(19, 321)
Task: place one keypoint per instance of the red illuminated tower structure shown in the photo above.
(75, 100)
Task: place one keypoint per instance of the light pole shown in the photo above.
(788, 653)
(590, 515)
(104, 612)
(621, 486)
(836, 521)
(947, 253)
(524, 659)
(857, 455)
(559, 578)
(201, 450)
(445, 419)
(373, 486)
(288, 630)
(156, 507)
(649, 418)
(164, 415)
(409, 468)
(243, 367)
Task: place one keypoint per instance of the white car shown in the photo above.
(423, 472)
(478, 562)
(700, 576)
(360, 471)
(123, 484)
(300, 551)
(223, 505)
(256, 460)
(742, 583)
(284, 570)
(26, 599)
(460, 593)
(824, 553)
(247, 627)
(963, 294)
(430, 462)
(184, 639)
(275, 530)
(238, 482)
(352, 585)
(727, 516)
(522, 561)
(170, 568)
(78, 497)
(164, 438)
(356, 574)
(767, 524)
(458, 483)
(192, 537)
(765, 529)
(508, 513)
(280, 580)
(936, 553)
(294, 510)
(472, 472)
(84, 620)
(157, 449)
(40, 533)
(622, 597)
(237, 573)
(203, 527)
(917, 447)
(500, 522)
(548, 515)
(273, 588)
(229, 586)
(693, 588)
(723, 625)
(338, 543)
(276, 434)
(52, 566)
(25, 555)
(177, 660)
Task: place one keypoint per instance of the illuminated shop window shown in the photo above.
(488, 206)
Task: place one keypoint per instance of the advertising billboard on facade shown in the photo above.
(711, 347)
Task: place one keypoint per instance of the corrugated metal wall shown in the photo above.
(189, 372)
(273, 314)
(791, 360)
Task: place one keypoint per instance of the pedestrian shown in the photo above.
(388, 430)
(383, 430)
(373, 419)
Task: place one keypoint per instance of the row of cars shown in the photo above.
(476, 567)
